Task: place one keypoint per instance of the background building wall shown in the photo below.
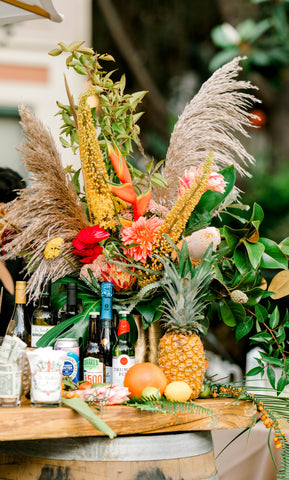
(29, 76)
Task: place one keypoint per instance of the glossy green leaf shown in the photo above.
(273, 257)
(242, 261)
(271, 375)
(274, 318)
(254, 371)
(255, 252)
(261, 313)
(232, 313)
(282, 382)
(244, 328)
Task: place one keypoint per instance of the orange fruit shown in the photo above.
(142, 375)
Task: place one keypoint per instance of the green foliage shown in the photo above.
(85, 411)
(164, 406)
(265, 43)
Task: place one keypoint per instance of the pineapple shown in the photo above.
(181, 353)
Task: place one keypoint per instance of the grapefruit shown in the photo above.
(142, 375)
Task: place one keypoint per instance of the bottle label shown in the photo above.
(71, 366)
(108, 374)
(120, 366)
(37, 331)
(123, 327)
(93, 370)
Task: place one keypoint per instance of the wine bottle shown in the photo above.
(93, 361)
(123, 353)
(72, 307)
(107, 335)
(19, 324)
(43, 318)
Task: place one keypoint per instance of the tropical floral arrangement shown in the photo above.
(174, 238)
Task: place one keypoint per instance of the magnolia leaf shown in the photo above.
(280, 285)
(254, 237)
(255, 252)
(273, 256)
(284, 245)
(232, 313)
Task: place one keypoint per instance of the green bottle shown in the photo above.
(123, 353)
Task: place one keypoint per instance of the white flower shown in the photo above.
(200, 240)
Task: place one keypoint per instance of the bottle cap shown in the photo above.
(94, 314)
(123, 327)
(106, 289)
(123, 312)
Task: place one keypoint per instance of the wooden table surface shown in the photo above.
(28, 423)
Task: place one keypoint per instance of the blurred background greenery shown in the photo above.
(170, 48)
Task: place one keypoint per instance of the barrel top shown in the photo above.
(26, 423)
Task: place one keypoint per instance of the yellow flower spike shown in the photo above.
(98, 195)
(52, 248)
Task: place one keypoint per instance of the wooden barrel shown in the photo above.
(178, 456)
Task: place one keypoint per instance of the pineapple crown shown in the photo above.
(186, 292)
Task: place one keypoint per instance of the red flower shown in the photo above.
(86, 242)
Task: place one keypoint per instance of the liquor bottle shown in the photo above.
(108, 335)
(123, 353)
(93, 361)
(71, 308)
(43, 318)
(19, 324)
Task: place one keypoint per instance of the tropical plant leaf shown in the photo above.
(85, 411)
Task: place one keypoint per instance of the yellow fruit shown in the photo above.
(182, 358)
(178, 391)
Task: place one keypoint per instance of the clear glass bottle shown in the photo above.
(108, 335)
(93, 361)
(123, 352)
(19, 324)
(43, 318)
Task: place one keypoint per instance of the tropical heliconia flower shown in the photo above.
(86, 243)
(120, 279)
(199, 241)
(143, 232)
(52, 248)
(216, 180)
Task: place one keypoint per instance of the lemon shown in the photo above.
(178, 391)
(150, 393)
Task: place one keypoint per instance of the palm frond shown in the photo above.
(49, 207)
(211, 122)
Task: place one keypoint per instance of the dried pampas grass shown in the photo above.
(210, 123)
(49, 207)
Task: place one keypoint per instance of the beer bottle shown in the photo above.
(93, 354)
(107, 335)
(123, 353)
(19, 324)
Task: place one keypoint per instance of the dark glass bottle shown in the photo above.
(108, 335)
(19, 324)
(43, 318)
(71, 308)
(93, 361)
(123, 353)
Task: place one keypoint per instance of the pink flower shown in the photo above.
(97, 267)
(86, 243)
(216, 181)
(144, 233)
(107, 394)
(121, 280)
